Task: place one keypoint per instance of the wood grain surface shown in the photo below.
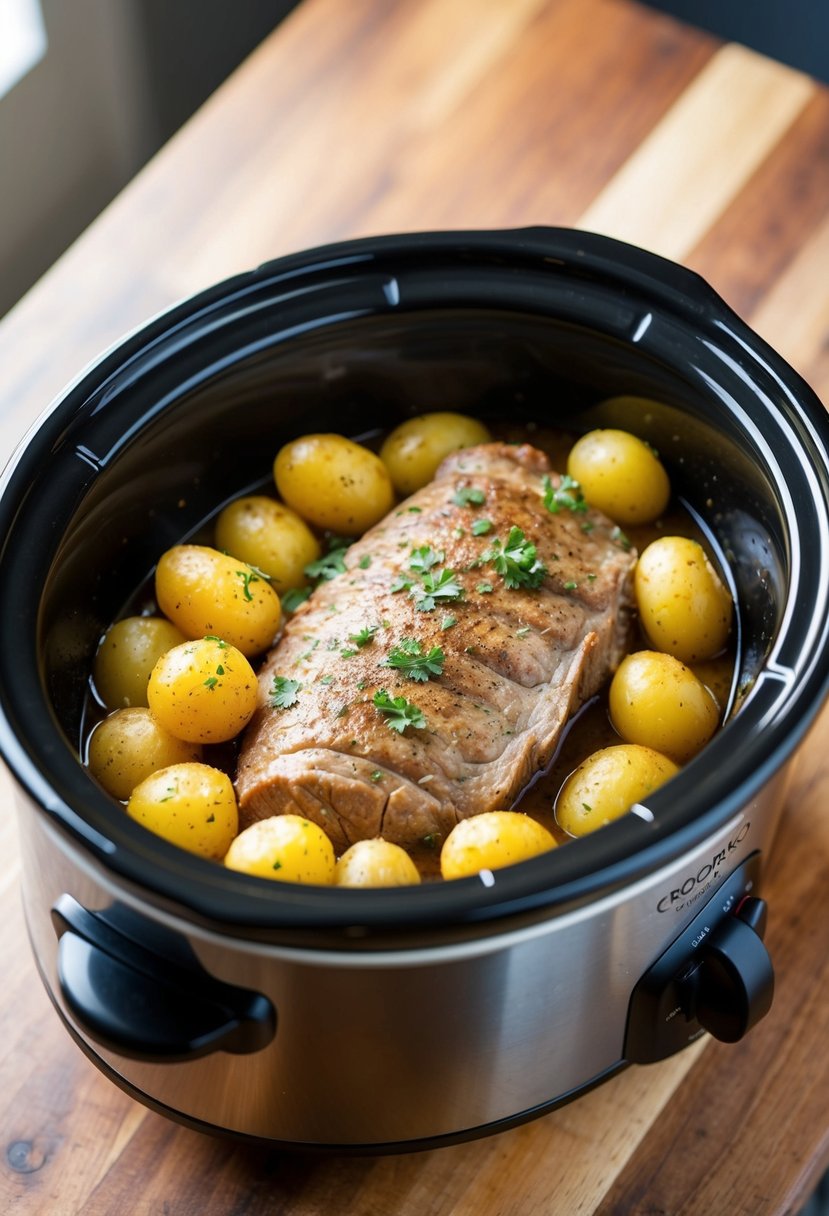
(366, 116)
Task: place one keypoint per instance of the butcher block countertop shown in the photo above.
(364, 116)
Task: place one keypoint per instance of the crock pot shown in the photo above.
(395, 1019)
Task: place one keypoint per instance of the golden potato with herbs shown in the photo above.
(659, 702)
(190, 805)
(286, 848)
(375, 863)
(607, 784)
(270, 536)
(684, 608)
(127, 655)
(620, 475)
(490, 841)
(203, 691)
(415, 448)
(207, 592)
(333, 483)
(129, 745)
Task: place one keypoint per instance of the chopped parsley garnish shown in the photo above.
(248, 576)
(517, 561)
(292, 599)
(211, 637)
(484, 588)
(347, 653)
(425, 558)
(284, 692)
(481, 527)
(211, 682)
(329, 565)
(327, 680)
(619, 537)
(522, 632)
(466, 496)
(398, 712)
(412, 661)
(365, 561)
(566, 495)
(448, 622)
(401, 583)
(571, 585)
(442, 585)
(364, 636)
(377, 775)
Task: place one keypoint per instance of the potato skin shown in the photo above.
(415, 448)
(607, 784)
(657, 701)
(375, 863)
(126, 656)
(129, 745)
(332, 482)
(203, 691)
(285, 848)
(492, 840)
(206, 592)
(267, 534)
(684, 608)
(190, 805)
(620, 475)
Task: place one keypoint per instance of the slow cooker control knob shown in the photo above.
(731, 983)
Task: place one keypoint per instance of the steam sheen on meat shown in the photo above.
(518, 662)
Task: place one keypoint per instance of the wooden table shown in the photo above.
(361, 116)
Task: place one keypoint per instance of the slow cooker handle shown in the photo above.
(147, 1005)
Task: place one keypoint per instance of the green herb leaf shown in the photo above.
(211, 682)
(571, 585)
(517, 561)
(364, 636)
(448, 622)
(328, 566)
(619, 537)
(481, 527)
(377, 775)
(466, 496)
(484, 588)
(566, 495)
(425, 558)
(365, 561)
(248, 576)
(211, 637)
(398, 712)
(401, 583)
(284, 692)
(292, 599)
(441, 585)
(412, 661)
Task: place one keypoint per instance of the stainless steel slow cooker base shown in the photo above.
(321, 1017)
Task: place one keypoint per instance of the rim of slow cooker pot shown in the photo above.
(729, 773)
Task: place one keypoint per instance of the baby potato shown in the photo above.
(127, 655)
(375, 863)
(191, 805)
(492, 840)
(333, 483)
(659, 702)
(684, 608)
(607, 784)
(413, 450)
(286, 848)
(269, 536)
(129, 745)
(620, 475)
(206, 592)
(203, 691)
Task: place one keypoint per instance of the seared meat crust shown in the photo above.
(518, 662)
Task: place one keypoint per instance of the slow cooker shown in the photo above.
(396, 1019)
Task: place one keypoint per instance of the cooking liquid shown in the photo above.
(586, 732)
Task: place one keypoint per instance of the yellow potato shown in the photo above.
(684, 608)
(207, 592)
(269, 536)
(286, 848)
(375, 863)
(492, 840)
(413, 450)
(127, 655)
(191, 805)
(659, 702)
(333, 483)
(129, 745)
(203, 691)
(620, 475)
(607, 784)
